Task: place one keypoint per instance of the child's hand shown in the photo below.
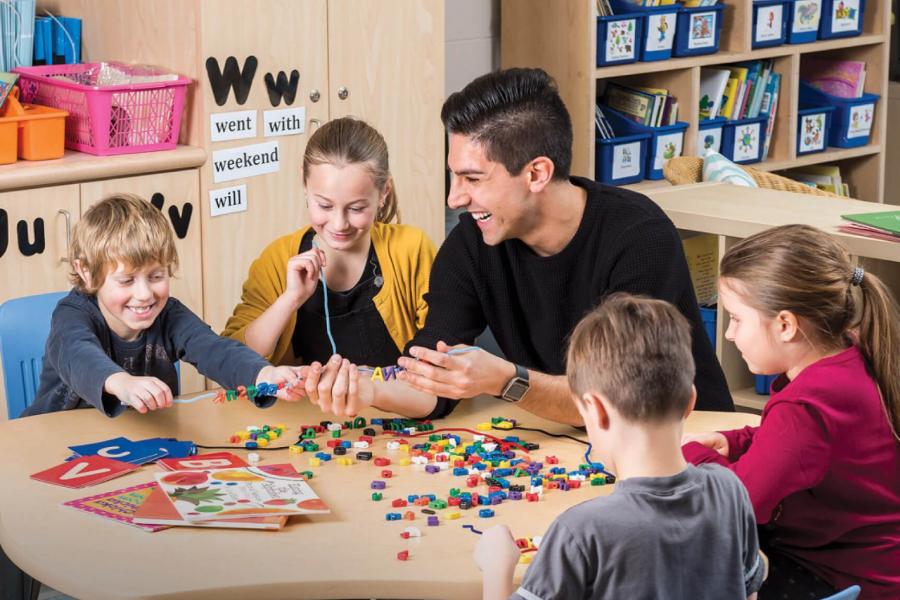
(288, 375)
(303, 276)
(711, 439)
(496, 553)
(141, 393)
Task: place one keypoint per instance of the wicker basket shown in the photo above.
(689, 169)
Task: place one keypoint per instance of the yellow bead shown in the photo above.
(504, 464)
(483, 427)
(453, 515)
(404, 462)
(345, 460)
(295, 449)
(504, 425)
(526, 558)
(281, 426)
(262, 442)
(404, 448)
(314, 462)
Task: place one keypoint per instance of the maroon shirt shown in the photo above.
(823, 468)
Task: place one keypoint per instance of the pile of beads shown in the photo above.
(258, 437)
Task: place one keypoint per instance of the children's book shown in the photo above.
(158, 510)
(7, 81)
(729, 97)
(870, 232)
(885, 222)
(770, 108)
(633, 104)
(269, 490)
(118, 505)
(841, 78)
(712, 90)
(84, 471)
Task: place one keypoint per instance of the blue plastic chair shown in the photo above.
(849, 593)
(24, 327)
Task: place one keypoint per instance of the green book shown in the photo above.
(888, 221)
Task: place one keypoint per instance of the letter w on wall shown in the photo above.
(231, 78)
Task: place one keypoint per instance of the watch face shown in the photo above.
(515, 390)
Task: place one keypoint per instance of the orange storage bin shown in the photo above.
(30, 131)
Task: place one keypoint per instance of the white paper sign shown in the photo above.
(232, 125)
(845, 16)
(860, 120)
(286, 121)
(806, 16)
(703, 30)
(768, 22)
(709, 140)
(812, 132)
(660, 32)
(746, 142)
(226, 201)
(626, 160)
(620, 40)
(667, 146)
(245, 161)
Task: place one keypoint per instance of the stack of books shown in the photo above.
(879, 225)
(604, 129)
(823, 177)
(654, 107)
(694, 3)
(841, 78)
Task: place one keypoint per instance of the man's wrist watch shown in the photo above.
(517, 387)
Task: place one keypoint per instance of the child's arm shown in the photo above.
(497, 556)
(141, 393)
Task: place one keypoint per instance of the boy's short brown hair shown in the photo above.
(122, 227)
(635, 351)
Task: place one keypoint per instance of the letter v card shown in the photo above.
(84, 471)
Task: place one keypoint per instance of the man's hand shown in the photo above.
(338, 387)
(141, 393)
(457, 376)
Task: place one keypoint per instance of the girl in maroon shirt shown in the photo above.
(823, 467)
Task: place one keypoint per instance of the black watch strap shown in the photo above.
(517, 387)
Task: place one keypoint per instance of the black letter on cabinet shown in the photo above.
(181, 222)
(4, 232)
(27, 248)
(231, 77)
(282, 88)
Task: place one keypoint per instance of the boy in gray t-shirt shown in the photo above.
(668, 530)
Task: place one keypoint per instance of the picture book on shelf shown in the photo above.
(841, 78)
(265, 490)
(712, 91)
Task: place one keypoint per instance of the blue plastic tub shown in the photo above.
(618, 39)
(665, 142)
(658, 26)
(743, 139)
(803, 21)
(708, 314)
(709, 135)
(621, 160)
(813, 125)
(841, 18)
(698, 30)
(764, 383)
(852, 119)
(770, 19)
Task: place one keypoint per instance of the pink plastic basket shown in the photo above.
(114, 119)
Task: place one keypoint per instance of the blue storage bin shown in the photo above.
(665, 142)
(813, 125)
(618, 39)
(852, 119)
(841, 18)
(743, 139)
(698, 30)
(763, 383)
(709, 135)
(708, 314)
(620, 160)
(658, 26)
(803, 21)
(770, 19)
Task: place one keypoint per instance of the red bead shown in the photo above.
(382, 461)
(404, 555)
(366, 438)
(387, 473)
(404, 535)
(399, 502)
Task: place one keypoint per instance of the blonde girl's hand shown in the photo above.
(710, 439)
(303, 276)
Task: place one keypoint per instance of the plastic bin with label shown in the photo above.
(620, 160)
(698, 30)
(813, 125)
(709, 135)
(665, 141)
(658, 27)
(841, 18)
(743, 140)
(803, 21)
(770, 18)
(852, 119)
(30, 131)
(618, 39)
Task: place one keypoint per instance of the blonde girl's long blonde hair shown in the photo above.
(349, 141)
(808, 272)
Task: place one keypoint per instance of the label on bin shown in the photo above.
(620, 40)
(806, 16)
(812, 132)
(860, 120)
(746, 142)
(667, 146)
(768, 22)
(660, 32)
(703, 30)
(709, 140)
(845, 16)
(626, 160)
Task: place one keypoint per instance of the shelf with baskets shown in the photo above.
(561, 37)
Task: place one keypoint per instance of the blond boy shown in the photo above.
(115, 338)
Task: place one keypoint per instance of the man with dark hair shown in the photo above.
(535, 251)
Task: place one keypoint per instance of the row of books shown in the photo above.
(654, 107)
(879, 225)
(604, 9)
(736, 91)
(841, 78)
(823, 177)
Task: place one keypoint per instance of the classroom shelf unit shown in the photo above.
(561, 37)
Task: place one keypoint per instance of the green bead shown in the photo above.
(336, 433)
(376, 496)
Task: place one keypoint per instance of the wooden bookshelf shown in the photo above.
(561, 37)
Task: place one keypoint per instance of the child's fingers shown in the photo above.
(311, 383)
(353, 403)
(339, 389)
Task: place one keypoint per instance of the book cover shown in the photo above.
(841, 78)
(118, 505)
(886, 222)
(7, 81)
(269, 490)
(771, 111)
(729, 97)
(633, 104)
(870, 232)
(712, 90)
(84, 471)
(158, 510)
(211, 460)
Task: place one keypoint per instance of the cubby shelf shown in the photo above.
(561, 37)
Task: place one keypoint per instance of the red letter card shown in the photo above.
(85, 471)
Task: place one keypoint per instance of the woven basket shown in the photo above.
(689, 169)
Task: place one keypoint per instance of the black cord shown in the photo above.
(240, 448)
(547, 433)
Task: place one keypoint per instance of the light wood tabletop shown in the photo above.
(350, 553)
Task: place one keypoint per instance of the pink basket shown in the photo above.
(113, 119)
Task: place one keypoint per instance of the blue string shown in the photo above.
(327, 315)
(472, 529)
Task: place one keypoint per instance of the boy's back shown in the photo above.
(691, 535)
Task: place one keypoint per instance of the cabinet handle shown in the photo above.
(343, 93)
(68, 217)
(314, 95)
(314, 123)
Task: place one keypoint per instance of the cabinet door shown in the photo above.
(388, 56)
(176, 194)
(283, 36)
(34, 240)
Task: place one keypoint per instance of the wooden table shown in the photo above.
(350, 553)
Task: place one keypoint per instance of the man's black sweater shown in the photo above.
(625, 243)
